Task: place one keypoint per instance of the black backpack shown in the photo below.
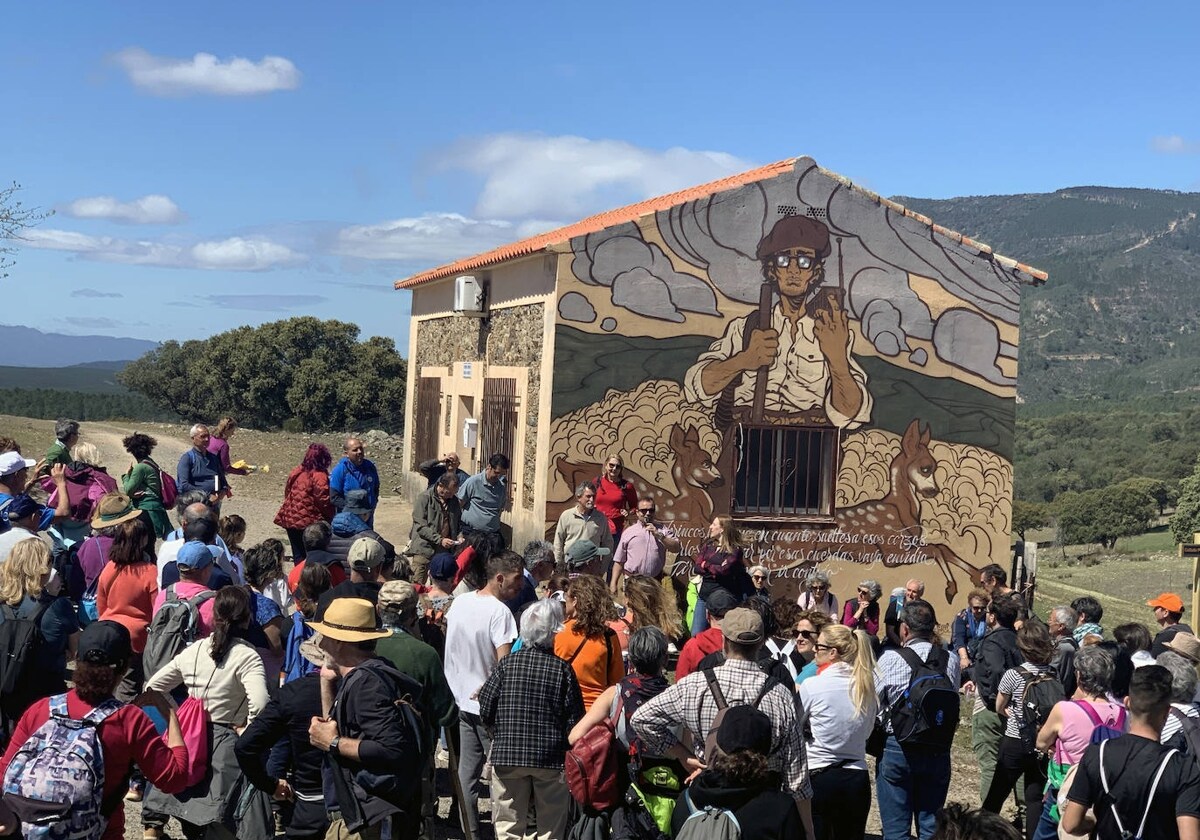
(395, 786)
(1042, 691)
(20, 637)
(926, 712)
(1189, 730)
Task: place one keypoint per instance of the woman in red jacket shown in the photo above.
(616, 497)
(306, 497)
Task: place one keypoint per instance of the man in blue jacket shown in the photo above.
(200, 469)
(354, 472)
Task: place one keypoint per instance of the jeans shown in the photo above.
(910, 783)
(472, 754)
(841, 800)
(699, 617)
(1013, 762)
(1047, 827)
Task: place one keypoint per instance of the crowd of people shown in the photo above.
(249, 690)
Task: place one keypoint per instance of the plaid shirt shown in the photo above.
(530, 701)
(892, 674)
(690, 704)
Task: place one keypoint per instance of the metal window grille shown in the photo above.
(785, 471)
(425, 420)
(498, 422)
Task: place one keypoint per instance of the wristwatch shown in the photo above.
(333, 745)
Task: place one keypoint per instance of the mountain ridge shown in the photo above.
(1115, 322)
(29, 347)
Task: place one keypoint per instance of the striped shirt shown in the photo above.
(1012, 685)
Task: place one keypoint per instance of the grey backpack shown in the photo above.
(175, 626)
(709, 823)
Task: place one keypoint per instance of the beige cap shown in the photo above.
(742, 626)
(365, 553)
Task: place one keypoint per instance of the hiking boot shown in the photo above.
(152, 834)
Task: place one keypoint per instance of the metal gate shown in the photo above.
(498, 421)
(425, 419)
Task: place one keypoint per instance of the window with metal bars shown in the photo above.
(498, 423)
(425, 419)
(785, 471)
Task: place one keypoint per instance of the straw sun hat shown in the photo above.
(350, 620)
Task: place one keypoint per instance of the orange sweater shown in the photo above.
(597, 664)
(126, 594)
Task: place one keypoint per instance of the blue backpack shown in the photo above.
(55, 783)
(295, 665)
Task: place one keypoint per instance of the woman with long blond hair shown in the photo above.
(26, 581)
(839, 706)
(721, 564)
(647, 604)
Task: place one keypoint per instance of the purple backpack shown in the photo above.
(55, 783)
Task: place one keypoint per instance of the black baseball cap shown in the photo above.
(105, 643)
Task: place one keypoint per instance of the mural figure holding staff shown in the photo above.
(804, 349)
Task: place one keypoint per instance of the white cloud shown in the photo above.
(233, 254)
(530, 175)
(147, 210)
(1173, 144)
(431, 238)
(204, 73)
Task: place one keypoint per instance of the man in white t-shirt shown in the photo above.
(480, 631)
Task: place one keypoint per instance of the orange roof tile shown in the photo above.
(633, 212)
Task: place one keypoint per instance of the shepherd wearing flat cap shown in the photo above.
(805, 348)
(1168, 612)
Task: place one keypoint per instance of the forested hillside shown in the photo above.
(1116, 325)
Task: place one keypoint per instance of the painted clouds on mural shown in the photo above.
(719, 235)
(641, 276)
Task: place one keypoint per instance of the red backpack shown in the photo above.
(593, 766)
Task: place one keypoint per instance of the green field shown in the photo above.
(1122, 580)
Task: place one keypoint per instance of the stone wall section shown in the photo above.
(512, 337)
(516, 340)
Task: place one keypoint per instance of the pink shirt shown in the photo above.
(639, 553)
(1075, 733)
(184, 590)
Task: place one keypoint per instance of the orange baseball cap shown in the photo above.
(1169, 601)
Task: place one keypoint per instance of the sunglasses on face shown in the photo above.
(807, 635)
(819, 587)
(645, 510)
(818, 646)
(801, 260)
(758, 577)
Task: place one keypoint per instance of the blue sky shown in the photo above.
(219, 164)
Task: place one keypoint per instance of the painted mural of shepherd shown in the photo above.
(788, 363)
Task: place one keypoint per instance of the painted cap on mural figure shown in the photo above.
(795, 232)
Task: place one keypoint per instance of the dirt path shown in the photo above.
(256, 497)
